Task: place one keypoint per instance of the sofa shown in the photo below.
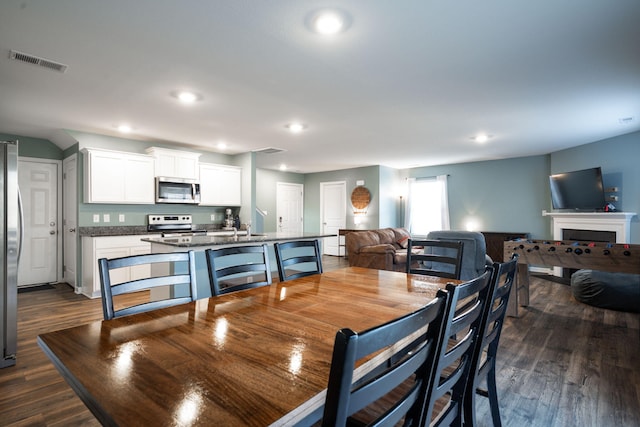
(382, 249)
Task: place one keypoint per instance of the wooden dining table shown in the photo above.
(258, 357)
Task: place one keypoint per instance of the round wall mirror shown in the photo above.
(360, 197)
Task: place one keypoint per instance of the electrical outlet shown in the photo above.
(121, 218)
(612, 198)
(106, 218)
(213, 217)
(96, 218)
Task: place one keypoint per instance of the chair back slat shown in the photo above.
(234, 268)
(181, 275)
(298, 258)
(348, 394)
(442, 258)
(453, 362)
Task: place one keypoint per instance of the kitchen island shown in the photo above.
(215, 240)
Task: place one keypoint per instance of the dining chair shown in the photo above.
(442, 258)
(237, 268)
(484, 358)
(118, 277)
(349, 392)
(444, 403)
(298, 258)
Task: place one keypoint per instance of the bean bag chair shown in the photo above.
(616, 291)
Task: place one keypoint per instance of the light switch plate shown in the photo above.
(106, 218)
(96, 218)
(213, 217)
(121, 218)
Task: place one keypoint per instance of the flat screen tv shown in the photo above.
(578, 190)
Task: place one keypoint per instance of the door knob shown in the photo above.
(52, 232)
(72, 230)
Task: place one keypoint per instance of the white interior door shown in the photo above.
(38, 181)
(70, 219)
(333, 206)
(289, 207)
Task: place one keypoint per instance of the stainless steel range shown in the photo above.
(172, 225)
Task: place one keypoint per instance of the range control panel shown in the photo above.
(155, 219)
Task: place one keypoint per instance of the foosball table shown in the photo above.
(603, 256)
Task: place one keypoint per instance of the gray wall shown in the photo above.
(619, 158)
(34, 147)
(500, 195)
(371, 177)
(266, 185)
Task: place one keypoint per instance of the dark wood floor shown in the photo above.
(562, 363)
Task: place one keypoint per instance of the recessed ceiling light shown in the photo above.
(328, 22)
(124, 128)
(296, 127)
(186, 97)
(283, 167)
(222, 145)
(481, 138)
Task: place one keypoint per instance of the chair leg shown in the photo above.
(469, 406)
(493, 395)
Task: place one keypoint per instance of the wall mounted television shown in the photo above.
(578, 190)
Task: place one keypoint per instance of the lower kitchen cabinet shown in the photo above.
(94, 248)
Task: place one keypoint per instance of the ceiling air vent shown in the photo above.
(35, 60)
(269, 150)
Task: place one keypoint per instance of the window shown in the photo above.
(427, 205)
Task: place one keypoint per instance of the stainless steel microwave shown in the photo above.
(177, 190)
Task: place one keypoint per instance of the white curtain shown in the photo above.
(427, 205)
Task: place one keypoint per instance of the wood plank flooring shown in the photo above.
(562, 363)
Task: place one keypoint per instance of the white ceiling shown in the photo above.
(408, 84)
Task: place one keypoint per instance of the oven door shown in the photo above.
(176, 190)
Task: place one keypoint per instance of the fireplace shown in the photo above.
(596, 226)
(586, 236)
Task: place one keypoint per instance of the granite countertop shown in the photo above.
(129, 230)
(217, 240)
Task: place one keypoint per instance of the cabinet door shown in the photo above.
(140, 271)
(220, 185)
(139, 187)
(117, 177)
(105, 177)
(186, 167)
(117, 276)
(164, 165)
(209, 185)
(230, 191)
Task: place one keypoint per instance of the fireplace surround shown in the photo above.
(615, 222)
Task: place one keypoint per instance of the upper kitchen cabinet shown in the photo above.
(175, 163)
(220, 185)
(117, 177)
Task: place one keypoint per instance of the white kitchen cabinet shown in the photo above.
(220, 185)
(94, 248)
(175, 163)
(117, 177)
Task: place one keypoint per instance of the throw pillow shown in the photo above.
(404, 242)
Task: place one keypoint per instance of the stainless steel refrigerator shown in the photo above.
(10, 235)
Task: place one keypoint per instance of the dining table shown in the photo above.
(258, 357)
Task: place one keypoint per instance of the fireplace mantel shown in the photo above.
(618, 222)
